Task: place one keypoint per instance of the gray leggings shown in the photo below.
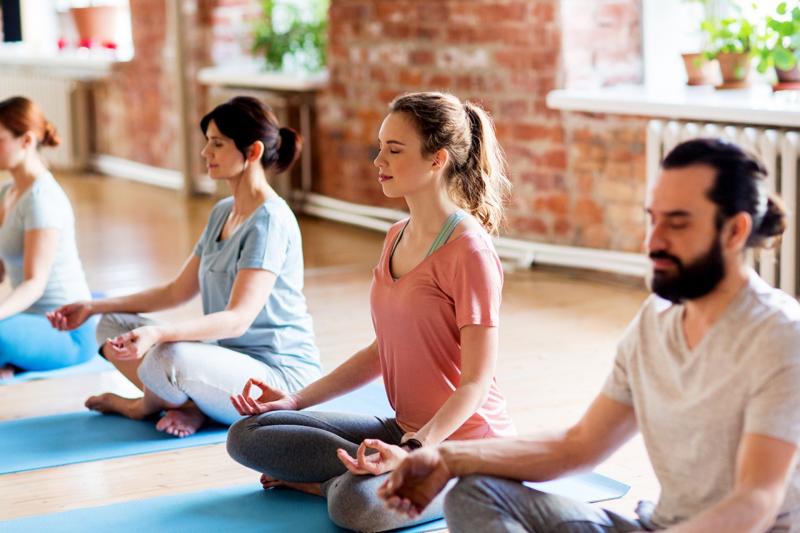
(483, 503)
(300, 446)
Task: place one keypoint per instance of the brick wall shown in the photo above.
(136, 109)
(507, 55)
(578, 179)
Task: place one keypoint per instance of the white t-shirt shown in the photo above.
(694, 406)
(44, 205)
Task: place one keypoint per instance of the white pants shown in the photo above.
(205, 373)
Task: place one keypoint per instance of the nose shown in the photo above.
(655, 239)
(379, 160)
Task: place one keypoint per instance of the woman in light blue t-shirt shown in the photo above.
(247, 267)
(37, 248)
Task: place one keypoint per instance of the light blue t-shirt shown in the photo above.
(282, 334)
(44, 205)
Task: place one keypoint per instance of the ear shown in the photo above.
(255, 152)
(736, 231)
(440, 159)
(28, 140)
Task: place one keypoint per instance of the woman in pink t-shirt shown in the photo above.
(435, 300)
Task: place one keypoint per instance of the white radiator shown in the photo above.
(778, 149)
(65, 103)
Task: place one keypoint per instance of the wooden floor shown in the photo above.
(558, 335)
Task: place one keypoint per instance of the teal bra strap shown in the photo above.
(447, 230)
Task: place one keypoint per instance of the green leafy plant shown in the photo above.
(781, 45)
(730, 35)
(288, 34)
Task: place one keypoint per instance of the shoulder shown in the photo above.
(220, 209)
(653, 317)
(773, 314)
(394, 229)
(45, 193)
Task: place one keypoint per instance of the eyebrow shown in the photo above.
(392, 142)
(676, 213)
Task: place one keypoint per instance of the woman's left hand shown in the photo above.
(135, 343)
(387, 459)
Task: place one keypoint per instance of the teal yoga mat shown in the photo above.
(250, 508)
(48, 441)
(92, 366)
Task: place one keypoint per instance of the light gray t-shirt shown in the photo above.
(694, 406)
(282, 334)
(44, 205)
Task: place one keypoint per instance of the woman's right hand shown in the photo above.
(271, 399)
(70, 316)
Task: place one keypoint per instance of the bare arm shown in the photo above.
(478, 358)
(605, 426)
(361, 368)
(250, 290)
(763, 467)
(39, 251)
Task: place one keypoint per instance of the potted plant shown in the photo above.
(95, 22)
(780, 49)
(700, 70)
(732, 41)
(291, 38)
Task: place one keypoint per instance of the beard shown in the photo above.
(690, 281)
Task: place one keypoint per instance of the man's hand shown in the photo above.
(416, 482)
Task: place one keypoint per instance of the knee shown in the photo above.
(107, 327)
(239, 439)
(467, 494)
(353, 504)
(169, 359)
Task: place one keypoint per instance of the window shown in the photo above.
(671, 27)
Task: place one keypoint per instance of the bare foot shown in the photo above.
(6, 372)
(113, 403)
(315, 489)
(181, 422)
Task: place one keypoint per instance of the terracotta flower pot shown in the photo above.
(95, 25)
(736, 69)
(699, 70)
(787, 79)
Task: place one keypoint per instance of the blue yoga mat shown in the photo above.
(92, 366)
(248, 508)
(590, 487)
(47, 441)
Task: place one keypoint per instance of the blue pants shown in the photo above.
(29, 342)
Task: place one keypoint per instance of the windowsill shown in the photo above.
(79, 64)
(757, 105)
(250, 76)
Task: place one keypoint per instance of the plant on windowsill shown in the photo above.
(95, 22)
(733, 42)
(781, 47)
(700, 70)
(291, 38)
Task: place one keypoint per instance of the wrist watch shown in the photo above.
(412, 444)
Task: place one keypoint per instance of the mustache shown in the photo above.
(664, 255)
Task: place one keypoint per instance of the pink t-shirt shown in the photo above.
(417, 321)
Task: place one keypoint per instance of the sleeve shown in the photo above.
(44, 208)
(617, 385)
(773, 408)
(265, 246)
(477, 289)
